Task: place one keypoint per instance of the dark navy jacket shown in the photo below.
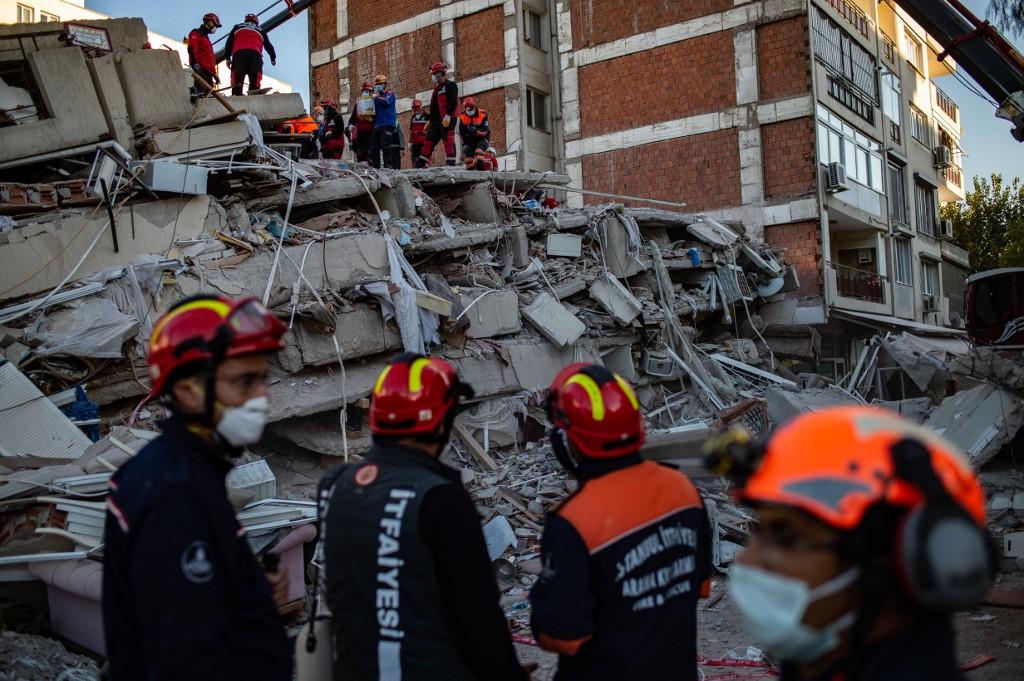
(183, 596)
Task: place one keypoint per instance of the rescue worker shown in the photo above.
(306, 128)
(870, 534)
(200, 52)
(627, 555)
(183, 596)
(384, 142)
(244, 48)
(444, 114)
(417, 130)
(408, 578)
(491, 159)
(360, 123)
(332, 131)
(475, 133)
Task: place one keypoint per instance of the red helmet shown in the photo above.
(209, 329)
(417, 104)
(367, 85)
(210, 16)
(468, 103)
(252, 18)
(327, 102)
(598, 411)
(438, 67)
(413, 396)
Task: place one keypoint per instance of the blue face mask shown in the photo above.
(378, 88)
(773, 607)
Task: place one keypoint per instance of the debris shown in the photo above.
(565, 245)
(32, 424)
(616, 300)
(499, 537)
(980, 421)
(553, 320)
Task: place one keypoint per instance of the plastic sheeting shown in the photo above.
(95, 328)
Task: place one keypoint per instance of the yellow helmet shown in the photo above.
(381, 79)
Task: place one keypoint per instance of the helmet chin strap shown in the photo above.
(560, 446)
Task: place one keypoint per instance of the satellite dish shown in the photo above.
(771, 287)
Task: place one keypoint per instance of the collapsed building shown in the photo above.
(138, 197)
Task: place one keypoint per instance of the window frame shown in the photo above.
(899, 205)
(46, 17)
(855, 150)
(915, 49)
(926, 288)
(537, 42)
(924, 127)
(532, 96)
(927, 204)
(26, 9)
(903, 267)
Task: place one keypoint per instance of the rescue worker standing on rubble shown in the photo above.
(183, 596)
(244, 48)
(870, 534)
(625, 557)
(475, 132)
(408, 578)
(385, 142)
(444, 114)
(332, 131)
(417, 130)
(200, 51)
(360, 123)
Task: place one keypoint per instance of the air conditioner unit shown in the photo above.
(931, 303)
(943, 156)
(945, 229)
(865, 256)
(836, 178)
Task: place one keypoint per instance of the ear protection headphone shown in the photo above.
(947, 561)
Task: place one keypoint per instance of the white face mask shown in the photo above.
(434, 77)
(774, 606)
(241, 426)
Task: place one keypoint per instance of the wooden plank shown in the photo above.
(475, 448)
(428, 301)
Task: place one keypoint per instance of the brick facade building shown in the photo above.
(722, 104)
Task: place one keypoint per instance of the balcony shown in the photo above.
(854, 283)
(853, 14)
(947, 105)
(889, 50)
(954, 176)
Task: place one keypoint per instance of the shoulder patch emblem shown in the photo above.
(196, 564)
(366, 474)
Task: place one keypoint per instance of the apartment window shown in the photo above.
(536, 110)
(915, 51)
(903, 270)
(929, 278)
(842, 54)
(850, 99)
(892, 104)
(45, 17)
(532, 27)
(838, 141)
(898, 208)
(919, 127)
(924, 208)
(26, 15)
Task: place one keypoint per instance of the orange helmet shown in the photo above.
(416, 395)
(207, 329)
(381, 80)
(837, 463)
(597, 410)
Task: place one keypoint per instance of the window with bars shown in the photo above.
(841, 53)
(899, 211)
(924, 208)
(850, 99)
(902, 264)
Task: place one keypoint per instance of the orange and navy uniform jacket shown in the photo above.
(200, 49)
(249, 36)
(472, 129)
(299, 126)
(624, 561)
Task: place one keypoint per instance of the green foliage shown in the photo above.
(1007, 15)
(990, 223)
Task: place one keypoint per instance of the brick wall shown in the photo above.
(480, 43)
(405, 60)
(787, 152)
(600, 21)
(673, 81)
(326, 82)
(367, 15)
(783, 58)
(702, 170)
(323, 24)
(493, 102)
(802, 241)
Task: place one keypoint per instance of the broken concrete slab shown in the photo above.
(76, 117)
(155, 88)
(111, 95)
(361, 332)
(494, 313)
(39, 255)
(468, 236)
(536, 364)
(478, 205)
(785, 404)
(32, 425)
(565, 245)
(399, 200)
(620, 253)
(554, 320)
(325, 191)
(203, 142)
(504, 180)
(981, 421)
(268, 109)
(714, 234)
(615, 298)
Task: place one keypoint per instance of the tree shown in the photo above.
(1008, 15)
(989, 225)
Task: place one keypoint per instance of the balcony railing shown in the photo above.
(947, 105)
(854, 283)
(889, 48)
(853, 14)
(954, 176)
